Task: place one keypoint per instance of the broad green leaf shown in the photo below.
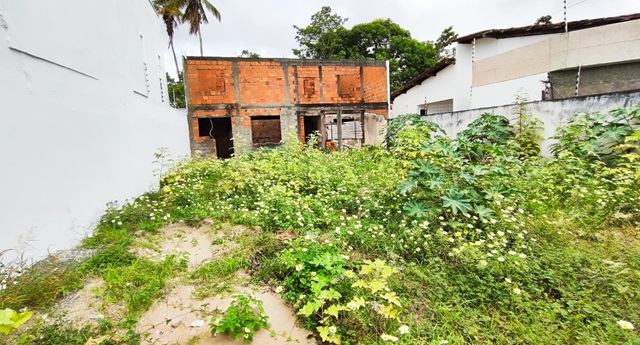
(388, 312)
(456, 202)
(359, 283)
(416, 209)
(327, 336)
(392, 298)
(387, 271)
(483, 212)
(310, 308)
(9, 319)
(377, 285)
(330, 295)
(358, 302)
(407, 187)
(334, 310)
(6, 316)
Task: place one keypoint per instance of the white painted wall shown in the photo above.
(505, 92)
(551, 113)
(73, 133)
(453, 82)
(501, 67)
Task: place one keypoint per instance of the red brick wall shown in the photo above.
(210, 82)
(309, 84)
(330, 83)
(261, 82)
(375, 87)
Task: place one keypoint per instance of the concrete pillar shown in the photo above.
(289, 124)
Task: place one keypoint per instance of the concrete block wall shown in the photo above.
(552, 113)
(246, 89)
(595, 80)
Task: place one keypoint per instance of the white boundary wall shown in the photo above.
(80, 119)
(551, 113)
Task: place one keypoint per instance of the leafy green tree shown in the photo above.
(444, 41)
(310, 38)
(544, 20)
(249, 54)
(381, 39)
(171, 16)
(176, 91)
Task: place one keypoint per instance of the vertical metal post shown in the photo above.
(566, 24)
(578, 80)
(339, 119)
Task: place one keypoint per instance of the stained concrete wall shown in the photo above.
(80, 117)
(595, 80)
(551, 113)
(374, 129)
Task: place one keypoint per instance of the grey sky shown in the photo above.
(266, 27)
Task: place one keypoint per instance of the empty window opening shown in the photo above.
(218, 128)
(445, 106)
(266, 131)
(348, 85)
(311, 126)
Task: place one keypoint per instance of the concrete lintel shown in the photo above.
(294, 62)
(350, 106)
(296, 107)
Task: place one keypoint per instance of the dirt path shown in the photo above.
(180, 317)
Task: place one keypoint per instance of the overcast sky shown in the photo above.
(266, 27)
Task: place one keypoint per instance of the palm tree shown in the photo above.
(171, 15)
(195, 14)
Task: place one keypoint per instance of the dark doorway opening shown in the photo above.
(311, 126)
(266, 131)
(218, 128)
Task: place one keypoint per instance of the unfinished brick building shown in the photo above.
(255, 102)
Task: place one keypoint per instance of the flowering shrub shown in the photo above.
(319, 283)
(242, 319)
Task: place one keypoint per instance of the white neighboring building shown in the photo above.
(83, 108)
(543, 61)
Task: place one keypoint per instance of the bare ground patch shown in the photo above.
(86, 306)
(180, 317)
(201, 244)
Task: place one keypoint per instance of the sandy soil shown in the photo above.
(179, 317)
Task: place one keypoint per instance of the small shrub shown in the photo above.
(244, 317)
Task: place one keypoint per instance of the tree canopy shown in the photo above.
(246, 53)
(544, 20)
(382, 39)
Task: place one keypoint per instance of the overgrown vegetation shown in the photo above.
(430, 240)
